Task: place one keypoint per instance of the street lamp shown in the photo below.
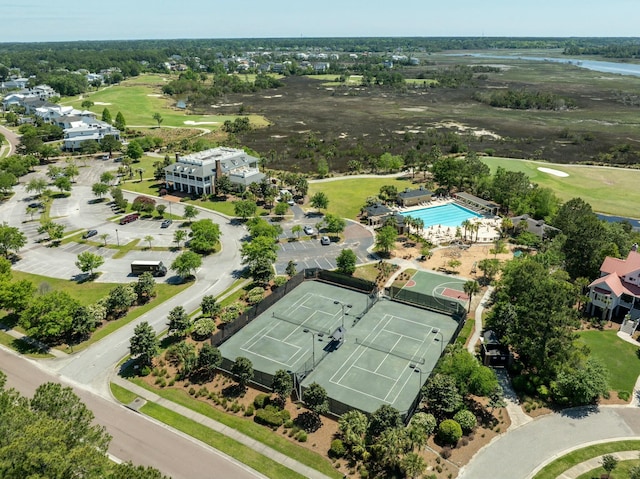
(313, 344)
(437, 331)
(343, 305)
(117, 237)
(416, 369)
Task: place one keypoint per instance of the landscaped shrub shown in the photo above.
(261, 400)
(270, 416)
(624, 395)
(449, 432)
(255, 295)
(308, 421)
(279, 281)
(337, 449)
(466, 419)
(203, 328)
(249, 411)
(301, 436)
(145, 371)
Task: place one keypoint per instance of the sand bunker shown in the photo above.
(100, 103)
(190, 122)
(553, 172)
(154, 94)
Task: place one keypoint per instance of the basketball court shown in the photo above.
(440, 291)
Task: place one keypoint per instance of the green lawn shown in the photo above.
(121, 394)
(557, 467)
(609, 190)
(247, 427)
(242, 453)
(87, 293)
(347, 197)
(622, 471)
(138, 100)
(619, 356)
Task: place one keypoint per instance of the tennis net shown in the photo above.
(300, 322)
(400, 354)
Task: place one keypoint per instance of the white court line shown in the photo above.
(259, 335)
(397, 341)
(372, 372)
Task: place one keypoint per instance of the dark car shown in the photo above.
(129, 218)
(90, 233)
(166, 223)
(35, 205)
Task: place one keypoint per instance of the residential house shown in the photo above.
(536, 227)
(196, 173)
(88, 130)
(410, 197)
(616, 292)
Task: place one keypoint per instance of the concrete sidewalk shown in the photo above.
(221, 428)
(586, 466)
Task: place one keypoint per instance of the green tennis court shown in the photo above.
(387, 352)
(386, 357)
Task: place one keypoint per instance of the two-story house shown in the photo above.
(616, 292)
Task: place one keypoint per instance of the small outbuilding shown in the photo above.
(493, 352)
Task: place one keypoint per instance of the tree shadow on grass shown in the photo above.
(29, 346)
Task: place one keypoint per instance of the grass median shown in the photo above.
(231, 447)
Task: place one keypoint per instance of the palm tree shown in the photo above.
(466, 224)
(296, 230)
(149, 239)
(471, 287)
(506, 226)
(104, 237)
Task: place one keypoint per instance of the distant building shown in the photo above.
(536, 227)
(410, 197)
(196, 173)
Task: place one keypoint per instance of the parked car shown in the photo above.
(308, 230)
(291, 202)
(325, 240)
(166, 223)
(35, 205)
(129, 218)
(90, 233)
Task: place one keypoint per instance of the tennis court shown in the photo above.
(277, 338)
(387, 352)
(386, 357)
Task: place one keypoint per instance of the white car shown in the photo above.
(308, 230)
(325, 241)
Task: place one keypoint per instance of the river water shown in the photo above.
(632, 69)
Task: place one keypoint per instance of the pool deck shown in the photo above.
(489, 229)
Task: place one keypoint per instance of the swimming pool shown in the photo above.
(450, 214)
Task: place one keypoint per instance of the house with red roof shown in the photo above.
(616, 292)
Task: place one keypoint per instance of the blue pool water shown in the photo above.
(450, 214)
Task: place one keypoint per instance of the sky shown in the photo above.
(77, 20)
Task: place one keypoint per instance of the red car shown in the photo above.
(129, 218)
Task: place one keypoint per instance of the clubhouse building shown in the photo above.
(196, 173)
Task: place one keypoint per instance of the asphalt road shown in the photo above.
(135, 437)
(516, 455)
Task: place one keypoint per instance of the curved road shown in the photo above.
(12, 138)
(519, 453)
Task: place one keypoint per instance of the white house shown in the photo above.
(617, 291)
(88, 129)
(196, 173)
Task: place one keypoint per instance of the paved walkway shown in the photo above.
(595, 462)
(221, 428)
